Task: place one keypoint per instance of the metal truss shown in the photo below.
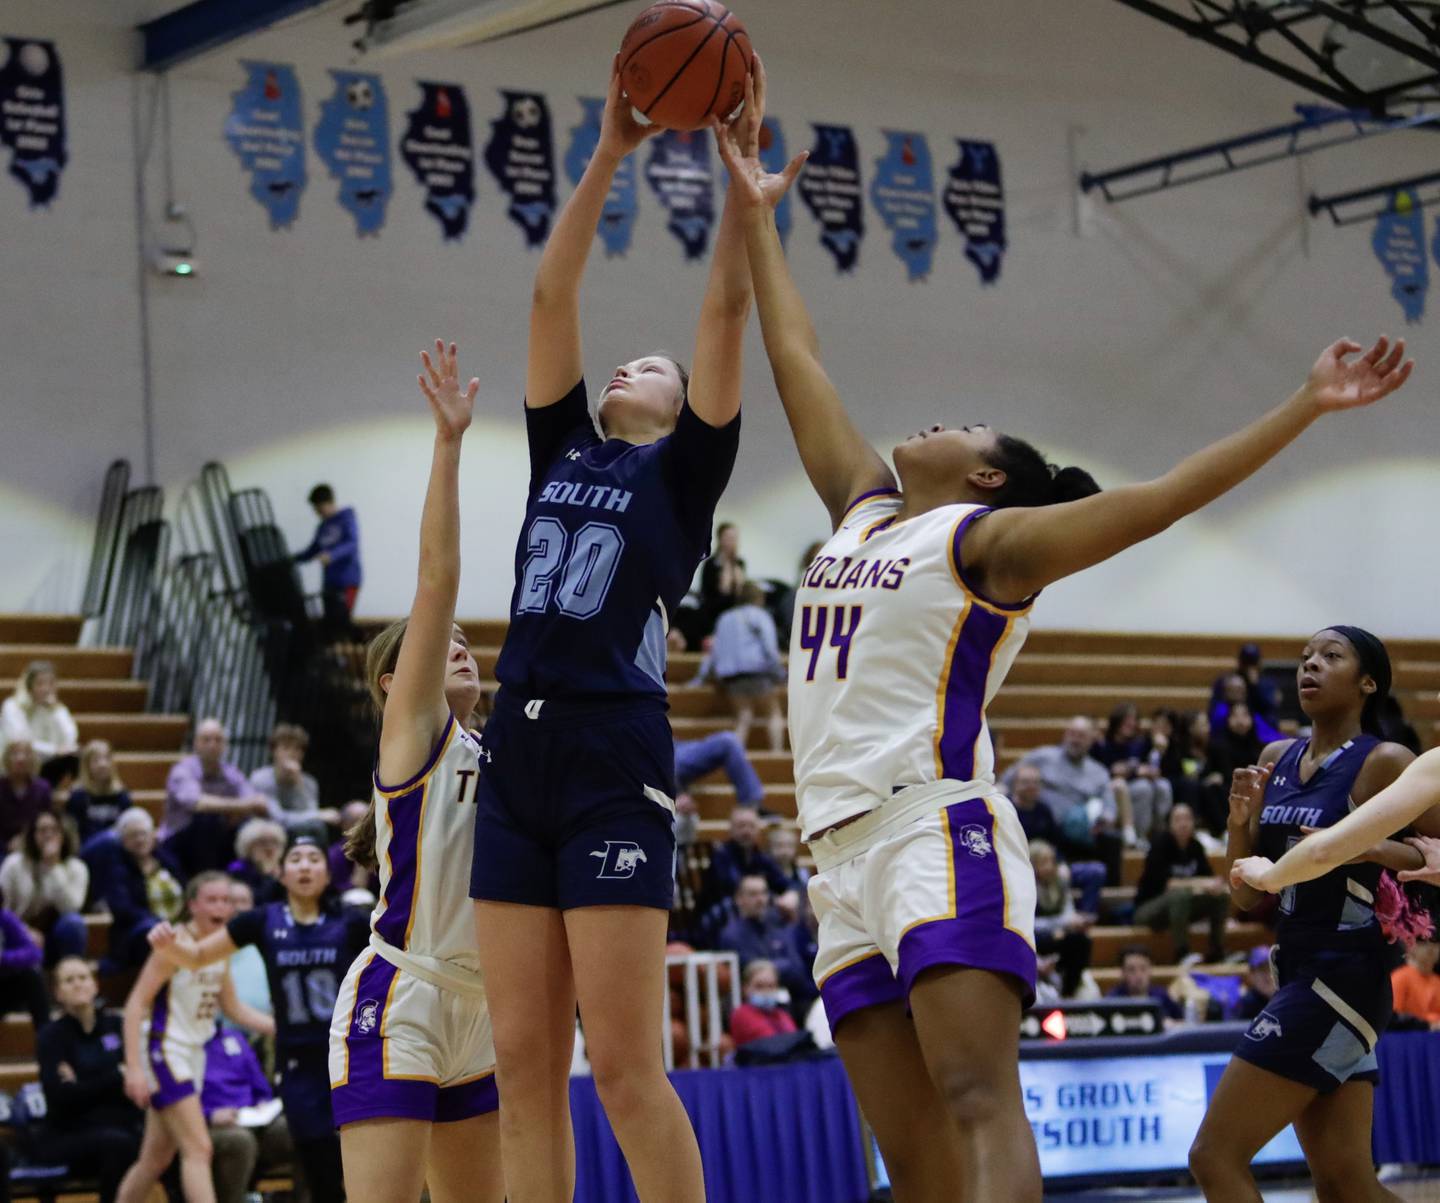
(1366, 204)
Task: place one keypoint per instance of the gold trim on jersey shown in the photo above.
(350, 1022)
(869, 497)
(949, 879)
(970, 594)
(864, 956)
(985, 685)
(411, 786)
(944, 685)
(1004, 892)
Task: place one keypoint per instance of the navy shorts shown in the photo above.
(305, 1091)
(1321, 1026)
(576, 808)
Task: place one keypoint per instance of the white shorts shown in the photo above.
(175, 1070)
(951, 886)
(404, 1047)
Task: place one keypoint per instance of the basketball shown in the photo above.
(684, 61)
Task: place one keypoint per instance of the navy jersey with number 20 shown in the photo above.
(612, 537)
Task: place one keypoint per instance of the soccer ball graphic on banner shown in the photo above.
(525, 112)
(360, 95)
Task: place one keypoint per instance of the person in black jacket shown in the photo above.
(137, 881)
(1178, 887)
(90, 1125)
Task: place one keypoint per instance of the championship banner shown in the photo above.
(773, 156)
(1399, 242)
(32, 116)
(830, 187)
(353, 141)
(521, 157)
(617, 218)
(975, 200)
(437, 147)
(903, 193)
(265, 130)
(678, 172)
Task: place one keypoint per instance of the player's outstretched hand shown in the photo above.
(620, 133)
(1253, 871)
(161, 936)
(1338, 381)
(1429, 848)
(739, 143)
(1247, 790)
(440, 382)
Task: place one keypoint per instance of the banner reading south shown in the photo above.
(521, 157)
(831, 189)
(266, 133)
(437, 147)
(617, 217)
(903, 193)
(678, 172)
(975, 200)
(32, 116)
(353, 141)
(1399, 243)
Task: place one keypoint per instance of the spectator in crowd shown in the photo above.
(90, 1125)
(745, 662)
(1262, 696)
(1259, 983)
(1395, 727)
(757, 932)
(45, 883)
(1234, 695)
(1136, 968)
(1085, 800)
(259, 848)
(99, 796)
(34, 713)
(1059, 928)
(1417, 986)
(137, 882)
(206, 797)
(736, 857)
(722, 577)
(1133, 760)
(21, 986)
(783, 846)
(336, 545)
(247, 964)
(23, 792)
(1038, 822)
(347, 877)
(1178, 887)
(294, 793)
(763, 1012)
(234, 1082)
(696, 758)
(1235, 744)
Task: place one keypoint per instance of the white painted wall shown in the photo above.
(1169, 322)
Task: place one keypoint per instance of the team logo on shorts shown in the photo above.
(975, 840)
(620, 858)
(1266, 1025)
(365, 1016)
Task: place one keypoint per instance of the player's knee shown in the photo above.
(971, 1095)
(1207, 1158)
(623, 1082)
(1339, 1184)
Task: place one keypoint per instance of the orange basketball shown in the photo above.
(685, 61)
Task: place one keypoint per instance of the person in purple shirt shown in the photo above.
(336, 545)
(1135, 970)
(23, 792)
(21, 986)
(206, 798)
(234, 1079)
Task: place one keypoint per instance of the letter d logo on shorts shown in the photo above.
(620, 858)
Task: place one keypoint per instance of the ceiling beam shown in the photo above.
(205, 25)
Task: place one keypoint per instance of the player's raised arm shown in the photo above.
(840, 463)
(179, 948)
(1019, 551)
(415, 707)
(554, 363)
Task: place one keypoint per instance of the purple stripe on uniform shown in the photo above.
(367, 1093)
(867, 983)
(870, 494)
(467, 1100)
(976, 937)
(160, 1011)
(169, 1089)
(965, 691)
(403, 857)
(955, 558)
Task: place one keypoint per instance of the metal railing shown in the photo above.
(705, 1000)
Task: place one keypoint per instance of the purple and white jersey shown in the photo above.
(424, 839)
(893, 658)
(182, 1018)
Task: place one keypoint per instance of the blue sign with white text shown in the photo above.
(975, 200)
(903, 193)
(1399, 242)
(437, 147)
(265, 130)
(353, 141)
(831, 189)
(617, 218)
(32, 116)
(521, 157)
(678, 172)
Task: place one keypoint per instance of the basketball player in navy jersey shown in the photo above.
(307, 947)
(574, 839)
(1309, 1056)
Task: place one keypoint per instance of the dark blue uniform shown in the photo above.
(1331, 962)
(575, 806)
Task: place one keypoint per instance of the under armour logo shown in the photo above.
(620, 858)
(572, 455)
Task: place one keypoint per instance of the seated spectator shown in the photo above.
(45, 883)
(21, 986)
(1262, 696)
(1417, 985)
(34, 713)
(90, 1125)
(1186, 766)
(1036, 818)
(1234, 744)
(336, 545)
(294, 792)
(1059, 928)
(99, 795)
(234, 1081)
(1081, 795)
(137, 882)
(697, 758)
(23, 792)
(1178, 887)
(206, 798)
(736, 857)
(1234, 695)
(758, 933)
(1135, 970)
(763, 1012)
(1395, 727)
(722, 579)
(259, 848)
(350, 879)
(1259, 983)
(745, 662)
(1133, 759)
(247, 964)
(783, 845)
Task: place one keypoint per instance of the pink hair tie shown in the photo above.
(1400, 920)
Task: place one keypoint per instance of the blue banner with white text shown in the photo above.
(831, 189)
(903, 193)
(521, 157)
(353, 141)
(617, 218)
(438, 149)
(32, 116)
(265, 130)
(975, 200)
